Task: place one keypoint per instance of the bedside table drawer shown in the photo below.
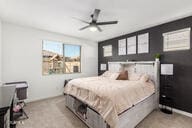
(166, 93)
(165, 100)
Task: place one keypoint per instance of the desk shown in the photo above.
(7, 95)
(21, 92)
(21, 89)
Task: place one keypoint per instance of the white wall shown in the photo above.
(22, 60)
(0, 52)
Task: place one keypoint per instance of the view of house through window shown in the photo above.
(59, 58)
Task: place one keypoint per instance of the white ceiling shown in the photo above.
(58, 15)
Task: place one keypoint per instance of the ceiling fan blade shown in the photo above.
(84, 27)
(81, 20)
(107, 23)
(99, 29)
(96, 14)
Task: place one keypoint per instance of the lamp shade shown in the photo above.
(166, 69)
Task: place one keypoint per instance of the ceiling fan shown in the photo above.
(94, 25)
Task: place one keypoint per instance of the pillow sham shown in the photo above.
(123, 75)
(114, 75)
(106, 74)
(110, 75)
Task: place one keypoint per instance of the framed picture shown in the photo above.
(103, 67)
(107, 50)
(122, 47)
(143, 43)
(177, 40)
(131, 45)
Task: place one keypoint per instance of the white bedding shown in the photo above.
(109, 97)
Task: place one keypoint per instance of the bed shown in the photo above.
(106, 103)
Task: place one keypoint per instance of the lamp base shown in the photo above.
(166, 111)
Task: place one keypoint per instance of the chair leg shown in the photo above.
(25, 114)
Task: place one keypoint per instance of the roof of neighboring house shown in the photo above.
(56, 57)
(49, 53)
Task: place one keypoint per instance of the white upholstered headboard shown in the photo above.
(149, 67)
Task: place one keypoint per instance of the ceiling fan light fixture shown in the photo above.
(93, 28)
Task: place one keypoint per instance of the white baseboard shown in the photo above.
(182, 112)
(179, 111)
(40, 99)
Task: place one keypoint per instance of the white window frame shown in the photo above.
(63, 60)
(179, 37)
(107, 50)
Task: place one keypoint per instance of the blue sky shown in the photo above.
(57, 47)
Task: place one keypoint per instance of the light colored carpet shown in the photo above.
(52, 113)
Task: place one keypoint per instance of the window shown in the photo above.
(59, 58)
(176, 40)
(72, 58)
(131, 45)
(107, 50)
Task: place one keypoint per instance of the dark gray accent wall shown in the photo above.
(182, 60)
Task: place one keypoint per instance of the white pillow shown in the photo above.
(144, 78)
(114, 75)
(106, 74)
(110, 75)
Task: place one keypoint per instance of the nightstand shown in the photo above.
(166, 88)
(66, 81)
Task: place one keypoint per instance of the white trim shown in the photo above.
(182, 112)
(179, 111)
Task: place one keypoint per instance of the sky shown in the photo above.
(57, 47)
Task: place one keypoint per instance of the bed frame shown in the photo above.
(131, 117)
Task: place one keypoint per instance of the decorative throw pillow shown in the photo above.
(110, 75)
(123, 75)
(144, 78)
(114, 75)
(106, 74)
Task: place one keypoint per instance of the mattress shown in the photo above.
(109, 97)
